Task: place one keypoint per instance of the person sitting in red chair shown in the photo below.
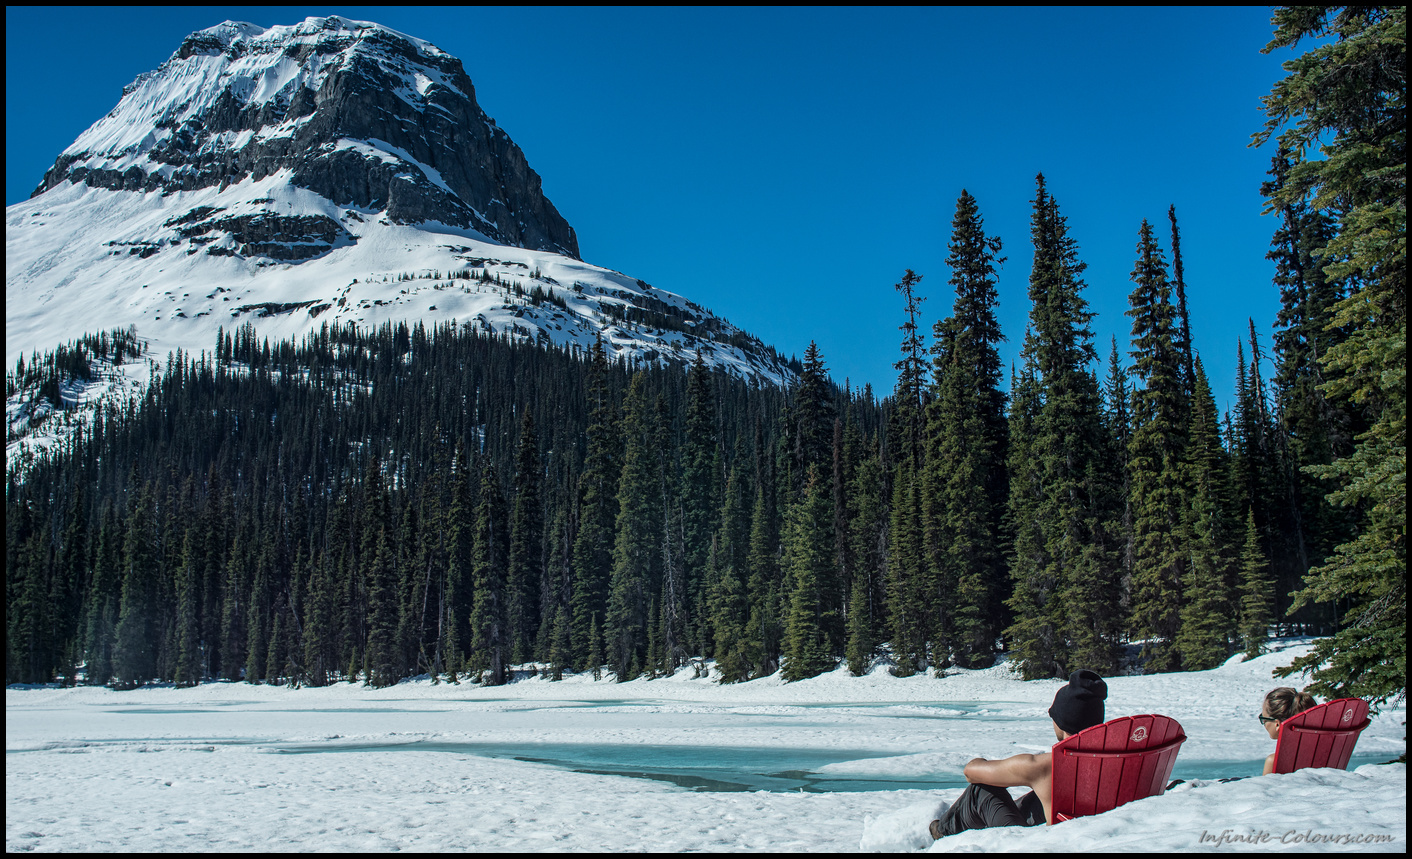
(986, 803)
(1279, 705)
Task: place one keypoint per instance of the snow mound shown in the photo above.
(902, 830)
(1314, 809)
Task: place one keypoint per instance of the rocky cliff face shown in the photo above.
(365, 117)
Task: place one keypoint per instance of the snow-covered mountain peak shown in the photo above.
(330, 171)
(227, 35)
(359, 114)
(252, 65)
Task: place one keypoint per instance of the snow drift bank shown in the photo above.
(1311, 810)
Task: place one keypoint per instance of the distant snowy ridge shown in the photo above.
(178, 266)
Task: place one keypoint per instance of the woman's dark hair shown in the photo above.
(1285, 702)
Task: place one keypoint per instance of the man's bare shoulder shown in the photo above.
(1016, 771)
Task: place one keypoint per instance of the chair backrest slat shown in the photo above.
(1342, 750)
(1113, 764)
(1138, 775)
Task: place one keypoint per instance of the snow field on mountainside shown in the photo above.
(71, 269)
(231, 766)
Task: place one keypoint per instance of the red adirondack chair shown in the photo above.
(1112, 764)
(1322, 736)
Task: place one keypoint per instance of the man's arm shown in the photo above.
(1017, 771)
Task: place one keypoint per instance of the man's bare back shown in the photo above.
(1032, 771)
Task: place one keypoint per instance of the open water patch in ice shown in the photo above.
(169, 711)
(991, 711)
(701, 768)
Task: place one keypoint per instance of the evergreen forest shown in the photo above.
(374, 505)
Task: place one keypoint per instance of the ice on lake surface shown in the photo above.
(738, 769)
(674, 764)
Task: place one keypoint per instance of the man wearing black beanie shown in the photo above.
(986, 803)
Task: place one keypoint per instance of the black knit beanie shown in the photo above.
(1079, 705)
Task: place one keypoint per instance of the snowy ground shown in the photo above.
(830, 764)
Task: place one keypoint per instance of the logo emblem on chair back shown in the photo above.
(1348, 715)
(1139, 734)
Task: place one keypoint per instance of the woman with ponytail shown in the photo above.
(1281, 704)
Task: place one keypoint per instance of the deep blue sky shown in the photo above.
(783, 167)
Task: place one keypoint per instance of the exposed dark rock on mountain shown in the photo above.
(361, 115)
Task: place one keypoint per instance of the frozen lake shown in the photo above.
(670, 764)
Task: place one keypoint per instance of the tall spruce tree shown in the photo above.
(134, 641)
(425, 561)
(911, 589)
(699, 468)
(320, 661)
(213, 527)
(671, 606)
(729, 600)
(1284, 527)
(908, 598)
(381, 576)
(808, 564)
(1314, 429)
(1034, 635)
(1066, 605)
(1181, 337)
(378, 575)
(637, 552)
(1257, 592)
(522, 610)
(1259, 481)
(490, 635)
(1157, 454)
(558, 582)
(598, 506)
(1118, 412)
(188, 576)
(30, 613)
(71, 575)
(910, 416)
(1353, 90)
(765, 627)
(813, 417)
(490, 641)
(836, 585)
(16, 515)
(965, 465)
(868, 530)
(1210, 614)
(104, 599)
(457, 597)
(257, 607)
